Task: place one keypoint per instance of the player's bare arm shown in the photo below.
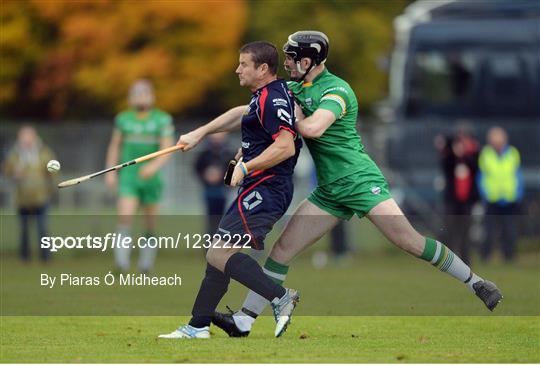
(228, 121)
(151, 168)
(280, 150)
(315, 125)
(299, 113)
(113, 152)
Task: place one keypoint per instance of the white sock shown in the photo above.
(255, 303)
(243, 321)
(121, 254)
(474, 279)
(147, 256)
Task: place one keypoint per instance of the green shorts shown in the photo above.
(356, 194)
(146, 191)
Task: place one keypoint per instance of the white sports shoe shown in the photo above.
(188, 331)
(283, 309)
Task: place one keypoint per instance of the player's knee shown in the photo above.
(217, 257)
(211, 257)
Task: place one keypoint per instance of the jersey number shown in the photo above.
(284, 116)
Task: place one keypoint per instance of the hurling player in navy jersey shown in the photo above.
(270, 148)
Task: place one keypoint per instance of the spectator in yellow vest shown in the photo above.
(501, 188)
(26, 163)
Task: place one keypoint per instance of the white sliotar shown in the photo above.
(53, 166)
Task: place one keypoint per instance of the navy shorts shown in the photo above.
(260, 203)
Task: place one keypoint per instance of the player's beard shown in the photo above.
(300, 76)
(142, 108)
(289, 72)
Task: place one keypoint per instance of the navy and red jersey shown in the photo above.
(270, 110)
(265, 195)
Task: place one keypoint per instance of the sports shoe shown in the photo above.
(226, 322)
(188, 331)
(488, 292)
(283, 309)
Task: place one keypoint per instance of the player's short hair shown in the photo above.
(263, 52)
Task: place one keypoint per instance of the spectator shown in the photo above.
(501, 187)
(210, 166)
(26, 163)
(459, 162)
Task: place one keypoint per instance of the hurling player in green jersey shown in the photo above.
(140, 130)
(349, 182)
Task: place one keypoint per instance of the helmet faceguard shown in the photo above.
(307, 44)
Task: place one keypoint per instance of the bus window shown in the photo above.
(477, 81)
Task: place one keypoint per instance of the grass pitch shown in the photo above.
(310, 339)
(368, 282)
(384, 306)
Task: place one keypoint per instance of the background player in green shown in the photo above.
(140, 130)
(349, 182)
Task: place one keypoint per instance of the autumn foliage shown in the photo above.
(61, 54)
(63, 59)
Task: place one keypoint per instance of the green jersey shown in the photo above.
(339, 151)
(141, 136)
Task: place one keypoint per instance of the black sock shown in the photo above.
(213, 288)
(247, 272)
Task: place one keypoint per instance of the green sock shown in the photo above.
(276, 271)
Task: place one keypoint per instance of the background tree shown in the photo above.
(66, 59)
(76, 58)
(360, 34)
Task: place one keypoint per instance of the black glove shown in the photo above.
(229, 173)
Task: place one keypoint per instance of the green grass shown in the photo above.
(371, 284)
(310, 339)
(383, 306)
(359, 299)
